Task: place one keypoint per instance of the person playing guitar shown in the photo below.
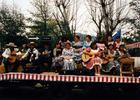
(122, 52)
(112, 63)
(10, 54)
(46, 55)
(31, 55)
(94, 61)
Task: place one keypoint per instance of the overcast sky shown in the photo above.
(23, 4)
(82, 28)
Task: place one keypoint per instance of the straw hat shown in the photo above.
(69, 42)
(11, 44)
(31, 43)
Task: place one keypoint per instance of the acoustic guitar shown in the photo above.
(86, 57)
(110, 57)
(13, 57)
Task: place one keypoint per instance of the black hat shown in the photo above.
(47, 43)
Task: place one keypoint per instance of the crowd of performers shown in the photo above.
(66, 55)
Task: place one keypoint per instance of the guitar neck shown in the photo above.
(118, 56)
(100, 52)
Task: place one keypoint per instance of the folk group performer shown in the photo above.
(95, 62)
(31, 55)
(111, 66)
(6, 54)
(46, 55)
(101, 44)
(87, 43)
(68, 56)
(57, 60)
(118, 43)
(64, 42)
(77, 47)
(110, 41)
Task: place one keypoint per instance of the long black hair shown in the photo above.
(118, 37)
(110, 45)
(100, 37)
(77, 36)
(111, 37)
(64, 37)
(92, 44)
(89, 36)
(124, 51)
(58, 43)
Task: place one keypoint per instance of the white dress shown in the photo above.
(68, 64)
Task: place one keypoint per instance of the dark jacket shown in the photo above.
(50, 51)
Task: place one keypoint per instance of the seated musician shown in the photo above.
(110, 41)
(31, 55)
(110, 66)
(46, 55)
(77, 45)
(87, 43)
(94, 62)
(57, 60)
(68, 56)
(122, 52)
(8, 53)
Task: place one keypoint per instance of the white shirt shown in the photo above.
(95, 51)
(118, 45)
(35, 51)
(8, 51)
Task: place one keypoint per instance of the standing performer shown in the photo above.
(118, 43)
(110, 41)
(101, 44)
(46, 55)
(77, 46)
(31, 54)
(10, 54)
(64, 41)
(88, 42)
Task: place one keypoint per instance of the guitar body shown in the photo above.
(109, 57)
(86, 58)
(104, 61)
(13, 57)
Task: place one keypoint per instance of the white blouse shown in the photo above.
(95, 51)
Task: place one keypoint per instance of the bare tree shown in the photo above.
(135, 36)
(135, 6)
(42, 23)
(66, 16)
(107, 15)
